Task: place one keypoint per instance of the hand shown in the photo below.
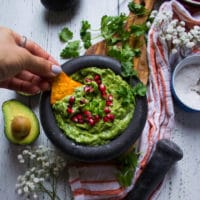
(24, 67)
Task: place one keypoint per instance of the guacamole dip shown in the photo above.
(97, 111)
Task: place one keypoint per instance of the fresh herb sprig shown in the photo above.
(85, 34)
(65, 35)
(138, 9)
(128, 164)
(42, 173)
(125, 55)
(113, 31)
(139, 89)
(71, 50)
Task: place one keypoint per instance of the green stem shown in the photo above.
(54, 188)
(47, 191)
(98, 36)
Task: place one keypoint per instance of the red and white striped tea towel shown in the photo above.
(98, 181)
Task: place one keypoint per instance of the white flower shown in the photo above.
(19, 192)
(36, 180)
(148, 24)
(35, 196)
(174, 51)
(31, 185)
(19, 178)
(190, 44)
(26, 190)
(27, 173)
(153, 14)
(176, 41)
(25, 152)
(170, 29)
(32, 156)
(182, 23)
(180, 29)
(174, 22)
(19, 157)
(168, 37)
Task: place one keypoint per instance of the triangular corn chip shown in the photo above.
(62, 86)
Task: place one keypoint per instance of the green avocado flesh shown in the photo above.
(99, 110)
(21, 125)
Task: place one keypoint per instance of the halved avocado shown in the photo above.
(21, 126)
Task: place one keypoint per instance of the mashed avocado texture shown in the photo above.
(97, 111)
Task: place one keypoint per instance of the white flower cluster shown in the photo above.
(151, 18)
(176, 33)
(44, 165)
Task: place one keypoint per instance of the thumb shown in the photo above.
(41, 66)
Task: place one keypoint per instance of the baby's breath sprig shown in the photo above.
(41, 177)
(179, 38)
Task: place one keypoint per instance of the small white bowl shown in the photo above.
(185, 83)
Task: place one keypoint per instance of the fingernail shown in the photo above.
(56, 69)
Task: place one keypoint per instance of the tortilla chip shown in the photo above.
(62, 86)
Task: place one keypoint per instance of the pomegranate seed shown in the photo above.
(97, 79)
(87, 80)
(79, 116)
(69, 110)
(98, 82)
(74, 119)
(87, 113)
(109, 103)
(102, 87)
(96, 118)
(71, 99)
(107, 110)
(81, 121)
(82, 101)
(88, 89)
(105, 119)
(91, 122)
(110, 116)
(110, 97)
(104, 95)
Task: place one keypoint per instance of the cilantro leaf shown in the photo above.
(113, 26)
(140, 89)
(139, 30)
(137, 9)
(124, 92)
(128, 164)
(85, 34)
(125, 56)
(71, 50)
(65, 35)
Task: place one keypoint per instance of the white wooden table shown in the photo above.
(30, 18)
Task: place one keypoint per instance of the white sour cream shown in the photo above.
(187, 85)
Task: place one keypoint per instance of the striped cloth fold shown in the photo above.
(98, 181)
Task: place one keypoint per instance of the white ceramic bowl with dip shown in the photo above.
(186, 83)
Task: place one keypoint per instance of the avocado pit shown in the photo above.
(20, 127)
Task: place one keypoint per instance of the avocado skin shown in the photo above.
(13, 108)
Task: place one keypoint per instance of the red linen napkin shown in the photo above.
(98, 181)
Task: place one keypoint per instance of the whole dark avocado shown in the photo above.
(57, 5)
(21, 125)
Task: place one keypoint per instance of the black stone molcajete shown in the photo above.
(115, 147)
